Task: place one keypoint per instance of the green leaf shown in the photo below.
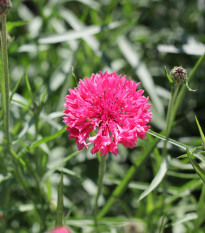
(16, 87)
(59, 214)
(168, 76)
(178, 144)
(23, 105)
(29, 87)
(195, 165)
(200, 130)
(200, 208)
(73, 35)
(11, 25)
(42, 100)
(5, 177)
(57, 167)
(157, 179)
(189, 88)
(187, 218)
(46, 139)
(17, 157)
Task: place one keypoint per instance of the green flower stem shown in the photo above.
(102, 167)
(4, 56)
(170, 119)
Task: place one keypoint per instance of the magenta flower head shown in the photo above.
(60, 230)
(112, 107)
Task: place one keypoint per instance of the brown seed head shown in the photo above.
(5, 6)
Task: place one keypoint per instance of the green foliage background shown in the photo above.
(49, 42)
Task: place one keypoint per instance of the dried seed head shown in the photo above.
(5, 6)
(178, 74)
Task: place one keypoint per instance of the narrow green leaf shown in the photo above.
(200, 208)
(73, 35)
(44, 96)
(53, 169)
(29, 87)
(46, 139)
(182, 156)
(17, 157)
(59, 214)
(200, 130)
(168, 76)
(49, 189)
(16, 87)
(187, 218)
(42, 100)
(195, 165)
(75, 78)
(157, 179)
(5, 177)
(189, 88)
(178, 144)
(20, 103)
(11, 25)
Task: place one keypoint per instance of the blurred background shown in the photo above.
(51, 40)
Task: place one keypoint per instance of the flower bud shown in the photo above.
(5, 6)
(60, 230)
(178, 74)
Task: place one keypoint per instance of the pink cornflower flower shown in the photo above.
(60, 230)
(109, 105)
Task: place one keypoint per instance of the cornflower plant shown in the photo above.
(109, 107)
(105, 114)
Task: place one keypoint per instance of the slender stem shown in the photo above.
(6, 77)
(170, 119)
(102, 167)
